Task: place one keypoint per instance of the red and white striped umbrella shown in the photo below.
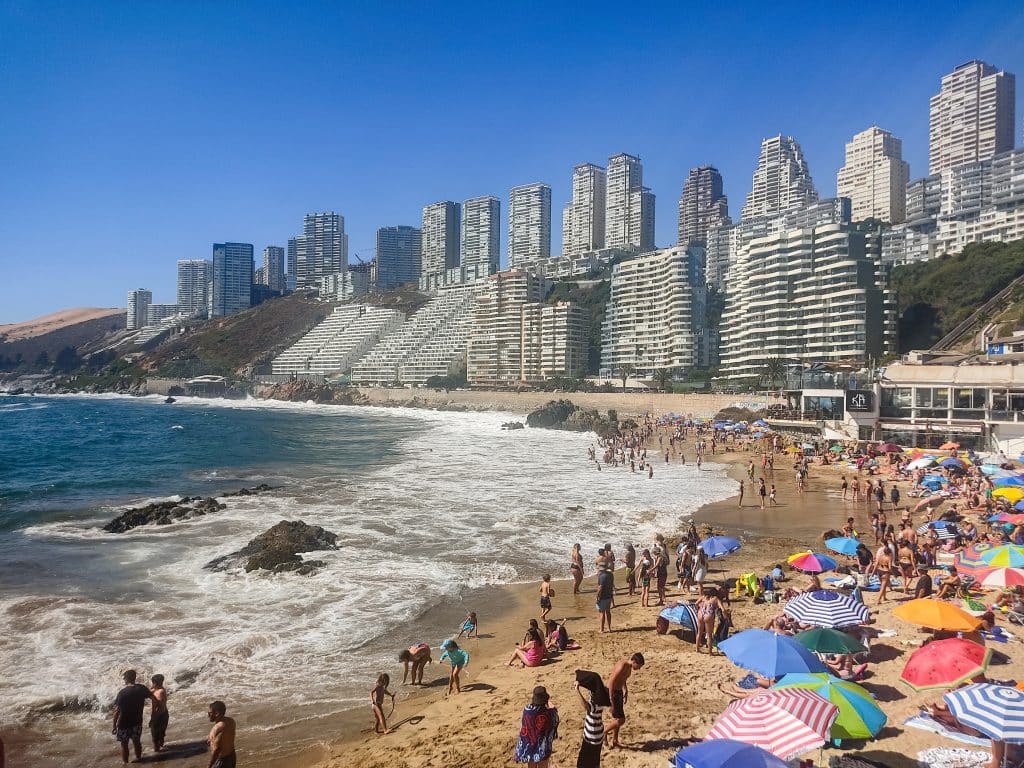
(786, 722)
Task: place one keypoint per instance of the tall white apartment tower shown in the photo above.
(194, 279)
(481, 225)
(138, 308)
(875, 177)
(321, 249)
(782, 180)
(529, 224)
(583, 220)
(971, 116)
(629, 205)
(439, 245)
(273, 268)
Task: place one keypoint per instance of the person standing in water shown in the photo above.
(576, 568)
(128, 706)
(158, 716)
(380, 690)
(222, 736)
(415, 660)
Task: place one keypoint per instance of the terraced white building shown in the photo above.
(334, 345)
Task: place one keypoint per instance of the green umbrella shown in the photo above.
(823, 640)
(836, 448)
(859, 715)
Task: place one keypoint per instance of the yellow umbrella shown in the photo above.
(1011, 493)
(792, 449)
(936, 614)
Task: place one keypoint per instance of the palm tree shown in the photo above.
(663, 378)
(774, 370)
(625, 371)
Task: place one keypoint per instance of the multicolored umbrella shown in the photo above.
(995, 710)
(945, 664)
(969, 560)
(822, 640)
(769, 654)
(811, 562)
(719, 546)
(1006, 517)
(726, 753)
(921, 463)
(936, 614)
(786, 723)
(844, 545)
(826, 608)
(859, 717)
(1004, 577)
(1005, 556)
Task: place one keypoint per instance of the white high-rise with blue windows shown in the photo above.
(232, 278)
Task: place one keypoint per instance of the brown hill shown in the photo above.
(30, 346)
(54, 322)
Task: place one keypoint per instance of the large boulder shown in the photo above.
(552, 414)
(277, 550)
(565, 414)
(302, 391)
(167, 512)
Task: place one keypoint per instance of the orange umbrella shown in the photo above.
(936, 614)
(948, 446)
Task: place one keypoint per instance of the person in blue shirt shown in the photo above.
(458, 658)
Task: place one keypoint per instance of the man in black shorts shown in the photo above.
(619, 690)
(128, 708)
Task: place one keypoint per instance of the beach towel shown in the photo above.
(928, 723)
(952, 757)
(873, 585)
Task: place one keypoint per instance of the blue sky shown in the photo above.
(135, 134)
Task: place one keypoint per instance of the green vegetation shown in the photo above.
(592, 298)
(115, 373)
(936, 295)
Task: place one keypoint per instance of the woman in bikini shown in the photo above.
(644, 572)
(707, 612)
(576, 568)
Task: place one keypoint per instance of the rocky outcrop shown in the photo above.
(278, 549)
(564, 414)
(300, 391)
(167, 512)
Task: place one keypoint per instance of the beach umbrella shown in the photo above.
(1005, 556)
(769, 654)
(786, 723)
(931, 501)
(844, 545)
(945, 664)
(826, 608)
(719, 546)
(859, 717)
(995, 710)
(1004, 577)
(990, 469)
(836, 448)
(1009, 517)
(1011, 493)
(969, 560)
(792, 449)
(943, 529)
(936, 614)
(684, 614)
(811, 562)
(891, 448)
(948, 446)
(951, 463)
(924, 461)
(1002, 482)
(823, 640)
(808, 446)
(726, 753)
(1019, 506)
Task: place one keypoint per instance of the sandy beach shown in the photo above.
(674, 697)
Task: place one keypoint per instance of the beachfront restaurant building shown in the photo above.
(925, 400)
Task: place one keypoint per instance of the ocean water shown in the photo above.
(428, 506)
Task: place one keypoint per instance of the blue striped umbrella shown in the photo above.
(827, 608)
(995, 710)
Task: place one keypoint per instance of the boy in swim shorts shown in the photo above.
(546, 593)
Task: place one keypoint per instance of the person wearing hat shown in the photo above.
(538, 730)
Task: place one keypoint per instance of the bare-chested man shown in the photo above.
(158, 717)
(222, 736)
(618, 689)
(416, 658)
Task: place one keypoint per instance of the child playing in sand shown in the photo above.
(546, 593)
(458, 658)
(470, 628)
(377, 702)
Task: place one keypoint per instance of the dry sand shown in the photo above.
(52, 322)
(675, 695)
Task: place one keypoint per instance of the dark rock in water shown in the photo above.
(513, 425)
(278, 549)
(62, 705)
(167, 512)
(564, 414)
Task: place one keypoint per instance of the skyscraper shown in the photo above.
(194, 276)
(875, 177)
(971, 116)
(232, 278)
(440, 244)
(529, 224)
(273, 268)
(321, 249)
(584, 217)
(138, 308)
(629, 205)
(398, 256)
(781, 181)
(481, 223)
(702, 205)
